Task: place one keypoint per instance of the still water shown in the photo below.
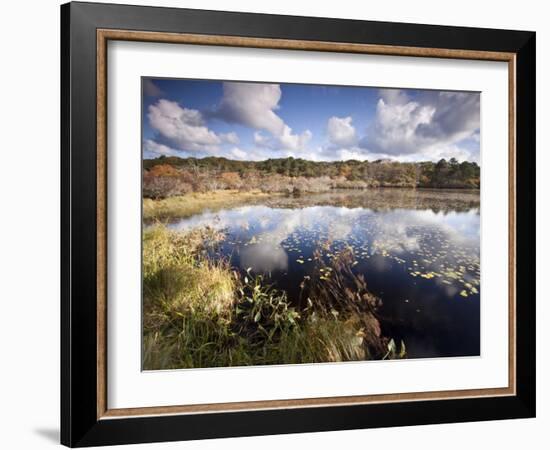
(417, 249)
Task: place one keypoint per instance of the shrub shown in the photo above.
(231, 180)
(158, 187)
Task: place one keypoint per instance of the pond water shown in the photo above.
(417, 249)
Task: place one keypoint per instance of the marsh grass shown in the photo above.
(193, 203)
(199, 312)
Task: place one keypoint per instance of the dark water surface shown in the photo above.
(418, 251)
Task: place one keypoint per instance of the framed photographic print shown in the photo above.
(276, 224)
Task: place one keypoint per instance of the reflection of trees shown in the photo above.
(443, 201)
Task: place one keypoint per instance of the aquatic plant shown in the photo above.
(199, 312)
(335, 289)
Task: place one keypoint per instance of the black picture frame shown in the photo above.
(80, 425)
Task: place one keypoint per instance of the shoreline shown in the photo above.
(194, 203)
(189, 204)
(201, 312)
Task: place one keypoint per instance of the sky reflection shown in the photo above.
(422, 260)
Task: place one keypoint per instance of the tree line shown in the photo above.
(168, 176)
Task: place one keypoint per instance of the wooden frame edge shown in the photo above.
(101, 223)
(512, 199)
(290, 44)
(103, 36)
(304, 403)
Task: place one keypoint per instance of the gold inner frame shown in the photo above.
(104, 35)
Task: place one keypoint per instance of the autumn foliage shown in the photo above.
(170, 176)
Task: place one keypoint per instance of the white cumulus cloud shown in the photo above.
(341, 132)
(287, 141)
(230, 138)
(254, 105)
(238, 153)
(157, 149)
(184, 128)
(432, 125)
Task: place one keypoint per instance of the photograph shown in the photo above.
(275, 225)
(302, 223)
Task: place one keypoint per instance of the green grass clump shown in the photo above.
(187, 299)
(198, 312)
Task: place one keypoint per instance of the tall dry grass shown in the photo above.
(196, 202)
(199, 312)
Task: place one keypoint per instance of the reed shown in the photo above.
(199, 312)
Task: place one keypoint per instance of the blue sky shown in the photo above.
(257, 121)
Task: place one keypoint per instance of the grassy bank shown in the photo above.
(196, 202)
(199, 312)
